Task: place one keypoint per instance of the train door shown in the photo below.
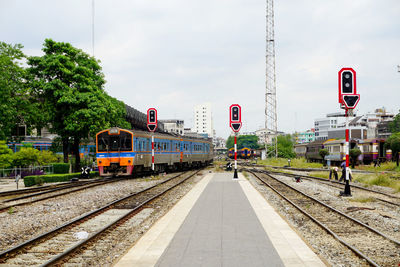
(381, 149)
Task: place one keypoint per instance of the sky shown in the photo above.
(175, 54)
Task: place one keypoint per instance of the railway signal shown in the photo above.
(235, 122)
(235, 117)
(347, 83)
(348, 99)
(351, 101)
(152, 126)
(152, 119)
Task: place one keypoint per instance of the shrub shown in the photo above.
(39, 180)
(59, 168)
(5, 155)
(47, 157)
(53, 178)
(25, 157)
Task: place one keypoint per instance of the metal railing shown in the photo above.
(12, 173)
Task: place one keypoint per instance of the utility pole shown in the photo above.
(271, 128)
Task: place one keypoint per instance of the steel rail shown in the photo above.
(355, 250)
(121, 220)
(5, 254)
(337, 182)
(81, 187)
(40, 188)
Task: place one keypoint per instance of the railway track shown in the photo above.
(5, 194)
(51, 193)
(59, 244)
(366, 242)
(302, 169)
(378, 195)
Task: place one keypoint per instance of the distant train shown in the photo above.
(42, 144)
(371, 150)
(122, 152)
(244, 153)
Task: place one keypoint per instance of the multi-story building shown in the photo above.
(203, 122)
(174, 126)
(306, 137)
(376, 122)
(323, 126)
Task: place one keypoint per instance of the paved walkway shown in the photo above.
(221, 222)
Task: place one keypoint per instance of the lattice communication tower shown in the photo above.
(270, 95)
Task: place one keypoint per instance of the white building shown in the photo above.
(174, 126)
(203, 122)
(323, 125)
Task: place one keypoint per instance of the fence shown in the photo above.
(35, 170)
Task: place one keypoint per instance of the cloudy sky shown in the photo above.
(174, 54)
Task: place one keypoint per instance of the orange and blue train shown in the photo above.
(122, 152)
(244, 153)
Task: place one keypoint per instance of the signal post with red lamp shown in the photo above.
(235, 122)
(152, 126)
(348, 100)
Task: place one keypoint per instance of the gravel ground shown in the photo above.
(124, 237)
(27, 222)
(381, 216)
(323, 244)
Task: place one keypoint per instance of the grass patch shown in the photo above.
(245, 174)
(11, 210)
(324, 175)
(387, 166)
(219, 165)
(381, 179)
(362, 199)
(295, 163)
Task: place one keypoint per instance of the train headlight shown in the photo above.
(100, 161)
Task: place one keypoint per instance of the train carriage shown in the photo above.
(374, 149)
(337, 152)
(246, 153)
(313, 148)
(300, 149)
(122, 152)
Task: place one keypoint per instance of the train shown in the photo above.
(122, 152)
(372, 150)
(244, 153)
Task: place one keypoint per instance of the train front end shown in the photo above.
(115, 155)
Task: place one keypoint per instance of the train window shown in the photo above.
(125, 141)
(102, 142)
(114, 143)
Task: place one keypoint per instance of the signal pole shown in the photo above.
(235, 174)
(271, 128)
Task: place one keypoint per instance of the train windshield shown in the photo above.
(102, 142)
(121, 142)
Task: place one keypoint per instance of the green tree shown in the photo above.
(46, 157)
(70, 82)
(354, 153)
(393, 143)
(12, 88)
(285, 146)
(26, 157)
(323, 152)
(5, 155)
(394, 126)
(250, 141)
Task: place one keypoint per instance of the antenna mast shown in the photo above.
(270, 95)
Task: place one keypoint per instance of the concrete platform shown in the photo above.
(221, 222)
